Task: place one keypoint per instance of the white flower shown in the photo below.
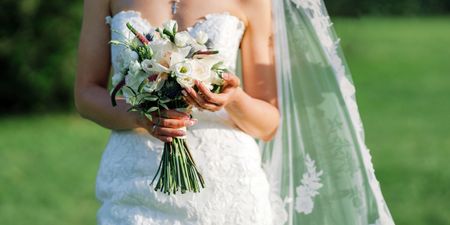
(179, 55)
(116, 78)
(134, 68)
(135, 75)
(183, 69)
(198, 47)
(152, 66)
(157, 84)
(209, 62)
(161, 49)
(182, 39)
(125, 57)
(183, 72)
(201, 71)
(171, 26)
(215, 79)
(201, 37)
(191, 70)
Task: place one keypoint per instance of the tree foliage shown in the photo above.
(38, 43)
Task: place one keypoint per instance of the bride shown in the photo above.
(282, 143)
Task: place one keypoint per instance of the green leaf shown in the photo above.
(152, 109)
(115, 42)
(164, 106)
(141, 86)
(131, 89)
(149, 116)
(151, 98)
(135, 108)
(165, 100)
(170, 35)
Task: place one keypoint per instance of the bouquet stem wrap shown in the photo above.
(177, 169)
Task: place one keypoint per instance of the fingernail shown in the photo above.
(184, 92)
(180, 132)
(169, 139)
(225, 76)
(189, 123)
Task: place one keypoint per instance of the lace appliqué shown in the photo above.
(309, 188)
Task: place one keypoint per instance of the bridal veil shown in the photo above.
(318, 165)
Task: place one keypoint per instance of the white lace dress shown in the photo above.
(237, 190)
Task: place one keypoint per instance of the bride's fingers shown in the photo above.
(200, 101)
(173, 123)
(231, 80)
(208, 95)
(189, 99)
(164, 138)
(169, 132)
(171, 114)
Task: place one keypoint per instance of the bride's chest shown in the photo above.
(187, 11)
(224, 31)
(221, 27)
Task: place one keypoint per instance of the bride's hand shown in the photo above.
(205, 99)
(166, 126)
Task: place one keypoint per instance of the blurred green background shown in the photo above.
(398, 51)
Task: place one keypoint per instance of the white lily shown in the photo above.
(182, 39)
(201, 37)
(152, 66)
(179, 55)
(126, 57)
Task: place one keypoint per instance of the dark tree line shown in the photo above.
(38, 41)
(387, 7)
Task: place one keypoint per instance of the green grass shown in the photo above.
(401, 69)
(48, 168)
(48, 163)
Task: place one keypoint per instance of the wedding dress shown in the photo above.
(237, 190)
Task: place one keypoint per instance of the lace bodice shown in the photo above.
(224, 31)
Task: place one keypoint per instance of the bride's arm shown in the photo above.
(255, 110)
(92, 98)
(91, 95)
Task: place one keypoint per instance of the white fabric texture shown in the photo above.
(237, 190)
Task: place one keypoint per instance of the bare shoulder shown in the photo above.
(257, 11)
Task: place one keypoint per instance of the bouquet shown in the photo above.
(154, 69)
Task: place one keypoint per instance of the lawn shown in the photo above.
(48, 162)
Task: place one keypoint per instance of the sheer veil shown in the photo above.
(318, 165)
